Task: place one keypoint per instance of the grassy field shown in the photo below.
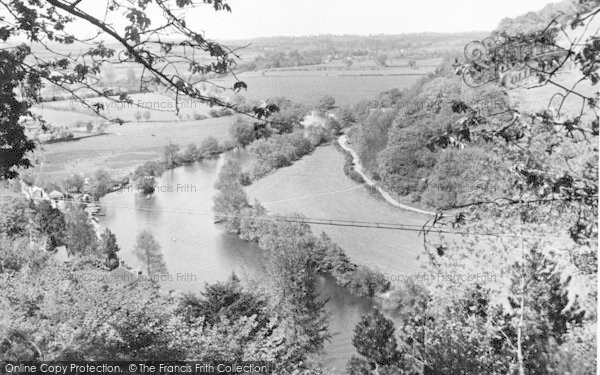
(317, 187)
(307, 85)
(157, 107)
(125, 147)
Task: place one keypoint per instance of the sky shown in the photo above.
(263, 18)
(260, 18)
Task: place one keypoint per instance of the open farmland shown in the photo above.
(347, 86)
(150, 107)
(124, 147)
(317, 188)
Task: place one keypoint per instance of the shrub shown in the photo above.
(225, 112)
(73, 183)
(171, 155)
(199, 116)
(355, 176)
(366, 282)
(301, 145)
(242, 132)
(245, 179)
(146, 185)
(149, 168)
(209, 146)
(280, 160)
(316, 135)
(190, 154)
(102, 182)
(333, 127)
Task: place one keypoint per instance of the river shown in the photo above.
(197, 251)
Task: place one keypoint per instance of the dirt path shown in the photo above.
(343, 141)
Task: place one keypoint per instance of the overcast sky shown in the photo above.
(255, 18)
(263, 18)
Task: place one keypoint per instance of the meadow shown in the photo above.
(150, 107)
(308, 84)
(317, 187)
(123, 147)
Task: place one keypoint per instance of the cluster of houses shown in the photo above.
(58, 200)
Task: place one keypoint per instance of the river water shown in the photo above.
(197, 251)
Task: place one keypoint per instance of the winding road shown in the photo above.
(343, 141)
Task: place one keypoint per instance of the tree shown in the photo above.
(74, 183)
(463, 176)
(16, 254)
(382, 60)
(412, 64)
(374, 340)
(231, 199)
(347, 117)
(326, 103)
(109, 248)
(170, 156)
(146, 184)
(242, 132)
(81, 235)
(190, 153)
(14, 144)
(333, 126)
(291, 266)
(145, 176)
(541, 310)
(289, 116)
(148, 251)
(49, 222)
(209, 146)
(225, 300)
(373, 136)
(102, 182)
(14, 221)
(437, 331)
